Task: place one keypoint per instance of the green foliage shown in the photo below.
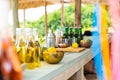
(69, 15)
(54, 20)
(87, 12)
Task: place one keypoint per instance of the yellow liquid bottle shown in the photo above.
(20, 45)
(37, 48)
(30, 53)
(21, 51)
(30, 56)
(37, 53)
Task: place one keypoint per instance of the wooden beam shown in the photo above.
(77, 13)
(15, 15)
(46, 25)
(62, 15)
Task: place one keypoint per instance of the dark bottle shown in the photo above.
(65, 35)
(80, 36)
(75, 36)
(70, 35)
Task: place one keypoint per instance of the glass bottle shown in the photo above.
(70, 35)
(30, 54)
(75, 35)
(65, 35)
(80, 37)
(57, 40)
(20, 45)
(50, 41)
(37, 47)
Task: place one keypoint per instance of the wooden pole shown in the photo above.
(24, 21)
(15, 16)
(62, 15)
(77, 13)
(46, 25)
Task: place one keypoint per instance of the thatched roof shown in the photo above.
(23, 4)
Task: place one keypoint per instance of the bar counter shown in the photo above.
(71, 67)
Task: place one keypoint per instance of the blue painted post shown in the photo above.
(96, 48)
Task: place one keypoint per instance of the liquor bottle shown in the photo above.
(80, 37)
(20, 45)
(75, 36)
(50, 39)
(70, 37)
(37, 47)
(30, 53)
(65, 35)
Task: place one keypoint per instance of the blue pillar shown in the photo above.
(96, 48)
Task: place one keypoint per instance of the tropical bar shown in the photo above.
(78, 41)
